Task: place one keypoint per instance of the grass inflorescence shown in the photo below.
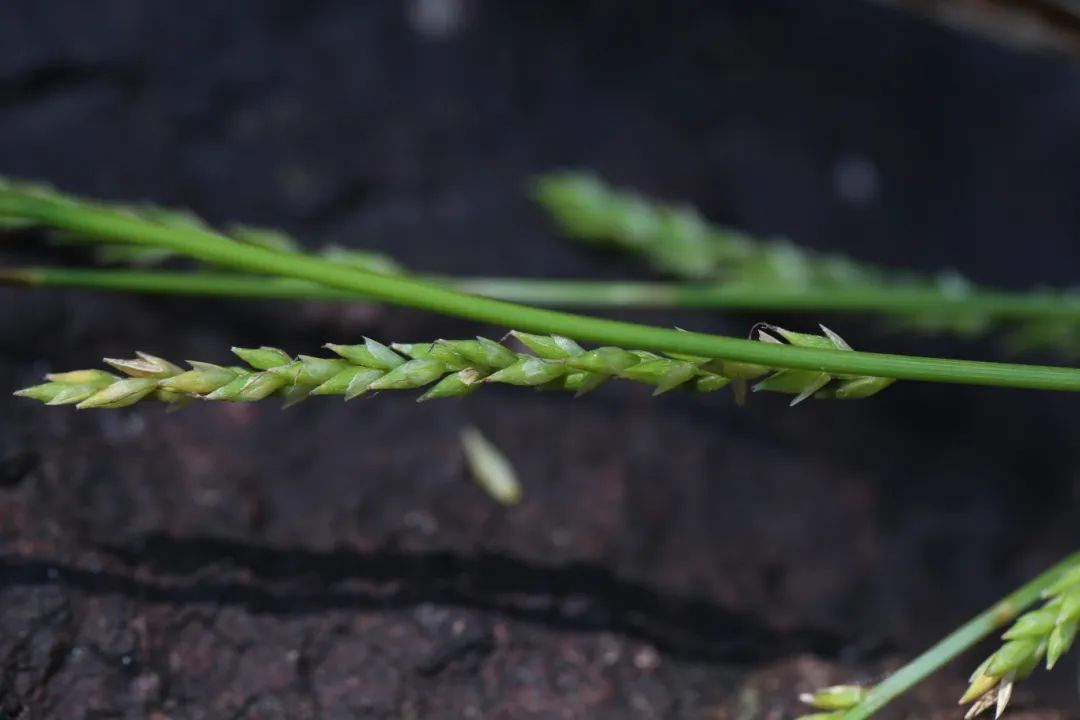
(445, 368)
(1047, 632)
(677, 240)
(1044, 634)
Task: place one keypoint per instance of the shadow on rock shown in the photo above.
(289, 581)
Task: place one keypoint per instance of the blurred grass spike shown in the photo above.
(677, 241)
(1047, 632)
(992, 683)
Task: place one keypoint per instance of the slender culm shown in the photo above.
(29, 205)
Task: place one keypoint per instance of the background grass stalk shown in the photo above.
(568, 293)
(212, 247)
(678, 241)
(963, 638)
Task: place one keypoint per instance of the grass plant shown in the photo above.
(774, 275)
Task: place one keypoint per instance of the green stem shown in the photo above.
(575, 293)
(216, 249)
(868, 299)
(960, 640)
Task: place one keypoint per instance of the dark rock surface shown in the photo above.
(675, 557)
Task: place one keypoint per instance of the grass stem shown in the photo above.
(571, 293)
(61, 213)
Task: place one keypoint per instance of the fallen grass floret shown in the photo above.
(490, 468)
(830, 703)
(442, 369)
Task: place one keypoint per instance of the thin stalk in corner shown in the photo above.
(960, 640)
(66, 214)
(570, 293)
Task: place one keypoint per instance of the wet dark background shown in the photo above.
(676, 557)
